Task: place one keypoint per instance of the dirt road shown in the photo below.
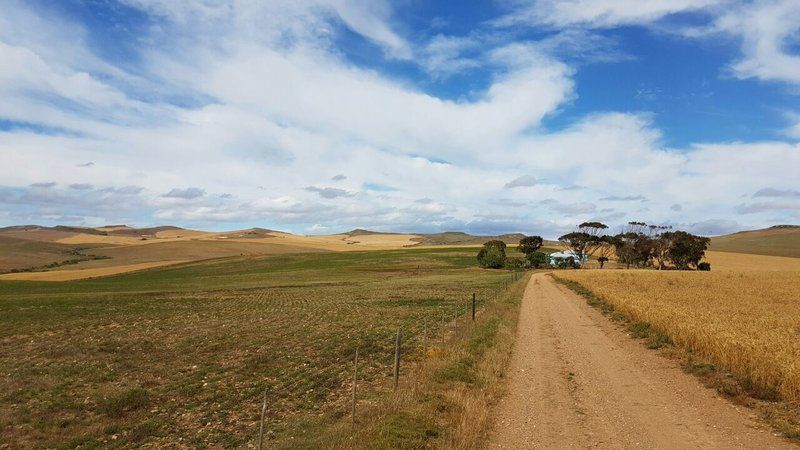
(577, 381)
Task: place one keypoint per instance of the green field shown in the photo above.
(187, 352)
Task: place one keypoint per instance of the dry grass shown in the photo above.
(180, 357)
(80, 274)
(746, 322)
(751, 263)
(448, 399)
(776, 241)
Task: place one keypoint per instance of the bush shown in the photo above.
(704, 266)
(491, 258)
(537, 259)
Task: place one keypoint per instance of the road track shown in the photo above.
(577, 381)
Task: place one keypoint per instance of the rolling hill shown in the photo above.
(70, 252)
(779, 240)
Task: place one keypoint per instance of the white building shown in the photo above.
(558, 257)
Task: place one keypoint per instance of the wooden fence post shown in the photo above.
(397, 359)
(355, 385)
(261, 428)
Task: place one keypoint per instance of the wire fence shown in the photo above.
(370, 358)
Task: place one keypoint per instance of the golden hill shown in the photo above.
(780, 240)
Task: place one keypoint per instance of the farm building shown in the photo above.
(558, 257)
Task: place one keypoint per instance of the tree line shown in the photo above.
(638, 245)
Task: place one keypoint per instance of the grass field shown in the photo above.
(775, 241)
(181, 356)
(745, 322)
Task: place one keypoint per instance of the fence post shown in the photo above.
(397, 359)
(261, 428)
(355, 385)
(473, 306)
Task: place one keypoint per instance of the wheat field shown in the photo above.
(745, 321)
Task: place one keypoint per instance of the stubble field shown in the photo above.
(182, 356)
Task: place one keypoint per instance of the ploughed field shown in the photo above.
(181, 356)
(745, 321)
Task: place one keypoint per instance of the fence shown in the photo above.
(372, 362)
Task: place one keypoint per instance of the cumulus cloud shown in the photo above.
(772, 192)
(43, 184)
(329, 192)
(253, 94)
(187, 194)
(761, 207)
(625, 198)
(767, 30)
(522, 181)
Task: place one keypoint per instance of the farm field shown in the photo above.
(744, 321)
(180, 356)
(71, 253)
(781, 240)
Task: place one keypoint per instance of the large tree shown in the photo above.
(492, 255)
(686, 249)
(634, 246)
(662, 241)
(596, 232)
(530, 244)
(578, 242)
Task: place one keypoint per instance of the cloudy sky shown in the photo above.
(414, 115)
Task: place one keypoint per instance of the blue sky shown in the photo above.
(324, 115)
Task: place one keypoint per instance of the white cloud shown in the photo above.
(599, 13)
(767, 30)
(279, 111)
(522, 181)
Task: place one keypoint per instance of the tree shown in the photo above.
(634, 246)
(605, 249)
(530, 244)
(686, 249)
(595, 230)
(492, 255)
(662, 241)
(537, 259)
(578, 242)
(495, 243)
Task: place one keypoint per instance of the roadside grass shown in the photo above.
(182, 356)
(447, 399)
(781, 413)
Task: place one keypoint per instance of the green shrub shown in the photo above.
(492, 258)
(537, 259)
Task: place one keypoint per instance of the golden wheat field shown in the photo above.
(745, 321)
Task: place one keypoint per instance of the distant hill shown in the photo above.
(780, 240)
(461, 238)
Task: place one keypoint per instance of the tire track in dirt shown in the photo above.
(577, 381)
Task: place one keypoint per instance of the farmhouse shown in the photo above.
(559, 257)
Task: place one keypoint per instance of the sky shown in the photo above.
(320, 116)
